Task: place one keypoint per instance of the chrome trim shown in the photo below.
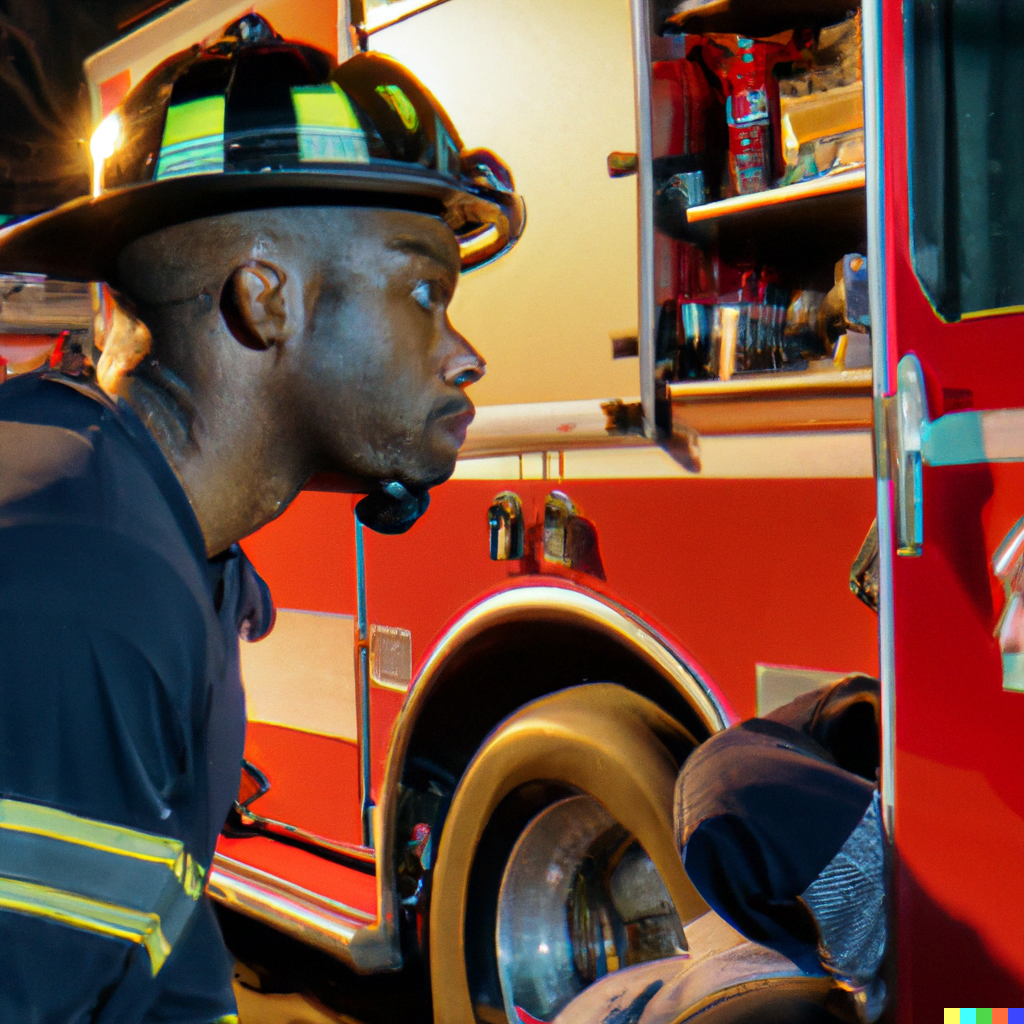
(533, 604)
(1007, 558)
(780, 382)
(874, 142)
(363, 692)
(640, 17)
(506, 527)
(272, 828)
(349, 934)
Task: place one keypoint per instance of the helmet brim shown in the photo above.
(82, 239)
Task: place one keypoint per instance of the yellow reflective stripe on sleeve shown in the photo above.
(89, 915)
(98, 876)
(39, 820)
(228, 1018)
(99, 835)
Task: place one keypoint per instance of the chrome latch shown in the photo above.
(911, 424)
(505, 519)
(559, 511)
(1008, 567)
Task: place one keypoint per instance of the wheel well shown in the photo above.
(513, 663)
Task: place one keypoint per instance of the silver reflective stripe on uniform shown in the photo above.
(96, 876)
(848, 902)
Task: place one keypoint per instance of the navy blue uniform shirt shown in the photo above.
(122, 717)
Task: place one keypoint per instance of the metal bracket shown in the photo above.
(559, 511)
(505, 521)
(912, 422)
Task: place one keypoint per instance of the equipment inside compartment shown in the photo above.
(778, 279)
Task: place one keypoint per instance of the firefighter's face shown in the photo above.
(381, 372)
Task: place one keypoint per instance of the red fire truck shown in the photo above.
(463, 742)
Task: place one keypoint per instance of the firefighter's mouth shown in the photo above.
(457, 425)
(455, 417)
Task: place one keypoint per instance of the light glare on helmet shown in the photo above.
(102, 145)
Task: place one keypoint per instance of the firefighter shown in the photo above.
(284, 236)
(779, 823)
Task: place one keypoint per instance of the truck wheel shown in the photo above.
(557, 862)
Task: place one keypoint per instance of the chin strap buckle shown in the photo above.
(392, 509)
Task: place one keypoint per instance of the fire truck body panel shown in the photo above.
(712, 576)
(957, 797)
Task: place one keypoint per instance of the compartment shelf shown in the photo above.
(844, 181)
(756, 403)
(753, 17)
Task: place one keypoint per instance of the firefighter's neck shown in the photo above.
(199, 362)
(237, 470)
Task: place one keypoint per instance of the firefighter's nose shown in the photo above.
(466, 365)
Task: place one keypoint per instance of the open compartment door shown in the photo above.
(945, 158)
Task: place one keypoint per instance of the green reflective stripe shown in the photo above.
(88, 915)
(400, 104)
(193, 141)
(196, 119)
(325, 106)
(228, 1018)
(326, 125)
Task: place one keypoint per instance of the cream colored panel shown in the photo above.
(646, 463)
(496, 467)
(302, 675)
(549, 87)
(533, 464)
(843, 454)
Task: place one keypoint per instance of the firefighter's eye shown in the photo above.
(424, 294)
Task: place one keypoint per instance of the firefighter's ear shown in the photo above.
(260, 304)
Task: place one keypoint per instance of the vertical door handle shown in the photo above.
(911, 425)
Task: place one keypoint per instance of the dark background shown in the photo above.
(44, 105)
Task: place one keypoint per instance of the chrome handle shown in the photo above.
(1008, 567)
(505, 521)
(911, 425)
(559, 511)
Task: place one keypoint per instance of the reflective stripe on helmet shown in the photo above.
(193, 141)
(327, 126)
(96, 876)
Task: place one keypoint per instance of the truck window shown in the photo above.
(967, 153)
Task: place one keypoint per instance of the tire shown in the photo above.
(581, 777)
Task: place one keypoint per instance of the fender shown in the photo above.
(554, 603)
(374, 948)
